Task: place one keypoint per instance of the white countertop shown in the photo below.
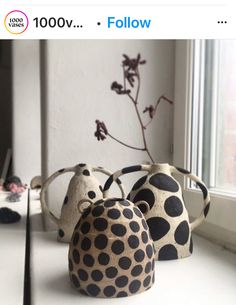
(207, 277)
(12, 254)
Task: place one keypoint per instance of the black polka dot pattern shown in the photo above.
(98, 211)
(164, 182)
(109, 291)
(173, 206)
(117, 247)
(139, 255)
(86, 244)
(75, 281)
(125, 262)
(167, 252)
(121, 281)
(134, 286)
(103, 258)
(113, 214)
(86, 172)
(61, 233)
(85, 227)
(91, 194)
(76, 256)
(182, 233)
(88, 260)
(101, 241)
(97, 275)
(111, 272)
(83, 275)
(137, 270)
(134, 226)
(118, 229)
(133, 241)
(158, 227)
(100, 224)
(145, 195)
(111, 251)
(109, 203)
(128, 213)
(93, 290)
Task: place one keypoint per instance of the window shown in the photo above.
(204, 131)
(213, 124)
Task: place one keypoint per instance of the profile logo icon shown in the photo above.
(16, 22)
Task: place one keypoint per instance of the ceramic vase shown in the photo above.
(83, 185)
(159, 196)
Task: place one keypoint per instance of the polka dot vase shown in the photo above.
(83, 185)
(159, 196)
(111, 253)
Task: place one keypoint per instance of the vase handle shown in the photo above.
(205, 192)
(123, 171)
(108, 173)
(45, 186)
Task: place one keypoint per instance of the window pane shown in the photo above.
(214, 114)
(226, 118)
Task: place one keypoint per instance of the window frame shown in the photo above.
(220, 224)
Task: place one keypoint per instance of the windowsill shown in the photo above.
(208, 276)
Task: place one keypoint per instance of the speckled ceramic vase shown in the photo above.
(111, 253)
(159, 196)
(83, 185)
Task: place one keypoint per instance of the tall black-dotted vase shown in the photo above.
(159, 196)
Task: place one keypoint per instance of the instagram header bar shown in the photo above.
(117, 22)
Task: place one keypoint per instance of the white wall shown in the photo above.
(26, 109)
(76, 81)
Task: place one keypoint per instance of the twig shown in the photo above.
(155, 108)
(127, 145)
